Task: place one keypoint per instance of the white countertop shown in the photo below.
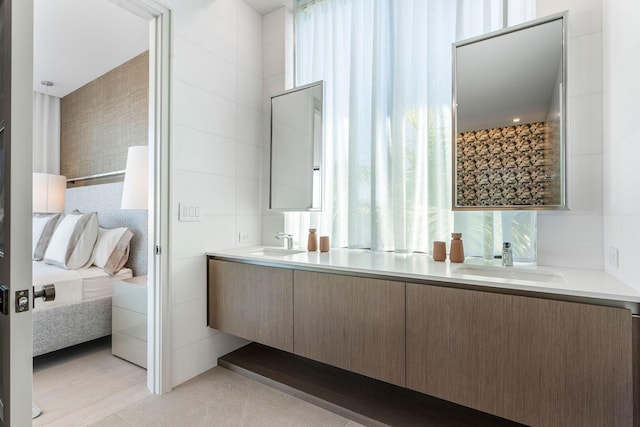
(568, 282)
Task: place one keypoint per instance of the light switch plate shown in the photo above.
(188, 212)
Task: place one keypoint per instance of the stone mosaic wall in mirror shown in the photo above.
(508, 166)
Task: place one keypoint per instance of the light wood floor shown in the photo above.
(90, 387)
(84, 384)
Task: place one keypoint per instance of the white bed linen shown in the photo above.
(73, 286)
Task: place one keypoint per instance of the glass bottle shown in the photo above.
(507, 255)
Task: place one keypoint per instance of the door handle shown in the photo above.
(47, 293)
(4, 300)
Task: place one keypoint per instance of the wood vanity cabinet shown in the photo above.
(352, 323)
(535, 361)
(252, 302)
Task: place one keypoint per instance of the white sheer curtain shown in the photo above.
(387, 71)
(46, 133)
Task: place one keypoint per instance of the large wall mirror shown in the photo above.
(297, 149)
(509, 124)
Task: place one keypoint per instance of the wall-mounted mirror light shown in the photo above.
(509, 118)
(297, 149)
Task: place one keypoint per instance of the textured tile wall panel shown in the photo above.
(102, 119)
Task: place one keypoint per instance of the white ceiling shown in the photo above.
(265, 6)
(76, 41)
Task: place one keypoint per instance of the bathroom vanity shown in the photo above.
(545, 347)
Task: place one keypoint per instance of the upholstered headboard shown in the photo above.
(105, 200)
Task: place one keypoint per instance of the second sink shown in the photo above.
(276, 252)
(510, 273)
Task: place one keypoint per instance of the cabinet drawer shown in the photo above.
(129, 348)
(129, 323)
(130, 296)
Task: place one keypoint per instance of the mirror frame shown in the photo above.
(563, 205)
(319, 208)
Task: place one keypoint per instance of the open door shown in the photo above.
(16, 112)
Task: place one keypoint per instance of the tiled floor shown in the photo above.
(222, 398)
(86, 385)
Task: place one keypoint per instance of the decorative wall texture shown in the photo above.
(513, 165)
(102, 119)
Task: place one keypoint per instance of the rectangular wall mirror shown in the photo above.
(297, 149)
(509, 118)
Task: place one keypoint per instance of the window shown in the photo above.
(387, 71)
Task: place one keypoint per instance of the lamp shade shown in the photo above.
(48, 192)
(135, 190)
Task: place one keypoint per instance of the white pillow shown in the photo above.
(43, 227)
(72, 243)
(112, 249)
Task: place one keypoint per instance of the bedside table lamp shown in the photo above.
(48, 192)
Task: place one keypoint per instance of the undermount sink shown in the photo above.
(510, 273)
(276, 252)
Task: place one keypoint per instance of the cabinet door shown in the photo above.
(232, 298)
(252, 302)
(352, 323)
(536, 361)
(274, 307)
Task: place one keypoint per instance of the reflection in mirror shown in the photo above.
(296, 149)
(509, 115)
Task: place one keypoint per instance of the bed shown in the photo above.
(81, 310)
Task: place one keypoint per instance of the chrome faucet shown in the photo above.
(288, 239)
(507, 255)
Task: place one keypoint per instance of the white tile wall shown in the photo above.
(192, 273)
(277, 38)
(197, 70)
(585, 184)
(249, 161)
(216, 161)
(251, 224)
(249, 126)
(249, 92)
(201, 355)
(621, 53)
(575, 238)
(585, 64)
(198, 109)
(192, 185)
(193, 239)
(249, 197)
(585, 122)
(585, 15)
(216, 154)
